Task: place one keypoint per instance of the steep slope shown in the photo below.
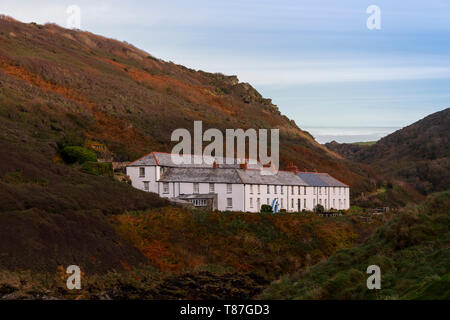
(54, 215)
(418, 154)
(55, 82)
(411, 250)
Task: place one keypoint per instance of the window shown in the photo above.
(320, 201)
(292, 203)
(165, 187)
(146, 186)
(141, 172)
(229, 202)
(334, 203)
(268, 201)
(292, 190)
(299, 188)
(258, 204)
(275, 189)
(325, 203)
(229, 188)
(251, 202)
(282, 205)
(320, 190)
(211, 188)
(251, 189)
(304, 203)
(304, 191)
(282, 189)
(314, 190)
(199, 202)
(344, 204)
(196, 188)
(314, 203)
(268, 189)
(325, 190)
(259, 189)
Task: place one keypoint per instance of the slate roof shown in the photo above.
(200, 175)
(230, 173)
(281, 178)
(316, 179)
(221, 175)
(165, 160)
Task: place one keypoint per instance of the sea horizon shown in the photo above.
(349, 134)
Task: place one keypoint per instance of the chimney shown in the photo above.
(267, 165)
(215, 164)
(244, 165)
(292, 168)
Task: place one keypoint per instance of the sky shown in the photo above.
(317, 60)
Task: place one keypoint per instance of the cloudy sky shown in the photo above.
(317, 60)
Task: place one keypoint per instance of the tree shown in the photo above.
(319, 209)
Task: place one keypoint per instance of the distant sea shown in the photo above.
(349, 134)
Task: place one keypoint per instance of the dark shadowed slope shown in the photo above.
(418, 154)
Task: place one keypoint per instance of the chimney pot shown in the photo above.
(244, 165)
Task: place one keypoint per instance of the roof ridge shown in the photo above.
(141, 157)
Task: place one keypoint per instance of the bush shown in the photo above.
(70, 139)
(266, 208)
(98, 168)
(319, 209)
(78, 154)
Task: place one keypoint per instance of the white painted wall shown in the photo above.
(329, 197)
(151, 176)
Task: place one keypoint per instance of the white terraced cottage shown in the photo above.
(239, 187)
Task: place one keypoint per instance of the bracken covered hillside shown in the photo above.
(55, 82)
(418, 154)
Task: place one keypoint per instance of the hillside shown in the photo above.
(194, 254)
(418, 154)
(411, 250)
(56, 82)
(64, 89)
(52, 214)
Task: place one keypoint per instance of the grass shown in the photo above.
(176, 239)
(411, 250)
(365, 143)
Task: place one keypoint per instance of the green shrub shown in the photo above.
(266, 208)
(78, 154)
(70, 139)
(319, 209)
(98, 168)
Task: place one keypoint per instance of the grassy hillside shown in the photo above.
(412, 251)
(57, 82)
(418, 154)
(196, 254)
